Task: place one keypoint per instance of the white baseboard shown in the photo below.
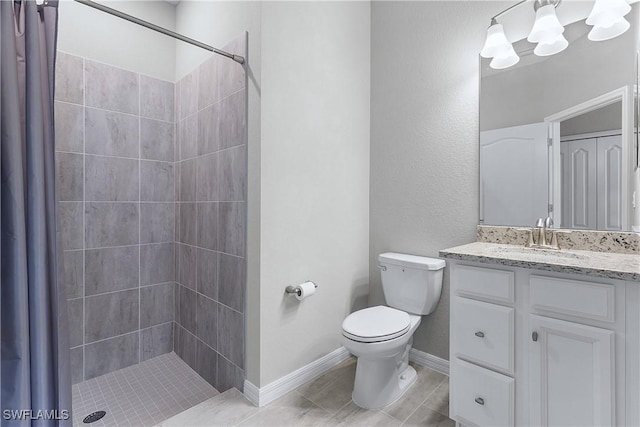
(429, 361)
(261, 396)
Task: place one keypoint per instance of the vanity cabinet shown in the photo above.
(537, 348)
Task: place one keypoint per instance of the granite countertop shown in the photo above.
(599, 264)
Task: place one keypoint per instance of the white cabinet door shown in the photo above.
(579, 184)
(572, 374)
(609, 161)
(514, 175)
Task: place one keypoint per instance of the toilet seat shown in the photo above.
(376, 324)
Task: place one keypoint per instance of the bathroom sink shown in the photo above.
(537, 253)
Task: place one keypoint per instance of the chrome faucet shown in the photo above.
(541, 231)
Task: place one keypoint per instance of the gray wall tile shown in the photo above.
(156, 99)
(207, 179)
(228, 376)
(72, 274)
(206, 360)
(77, 365)
(207, 321)
(188, 213)
(232, 228)
(110, 355)
(209, 129)
(156, 341)
(188, 87)
(69, 127)
(75, 308)
(233, 120)
(157, 263)
(112, 314)
(185, 346)
(176, 298)
(70, 224)
(207, 273)
(69, 69)
(111, 224)
(187, 266)
(111, 88)
(157, 140)
(111, 134)
(111, 179)
(156, 222)
(156, 181)
(233, 174)
(188, 181)
(156, 305)
(208, 82)
(231, 290)
(111, 269)
(188, 137)
(69, 176)
(208, 225)
(231, 75)
(231, 335)
(188, 309)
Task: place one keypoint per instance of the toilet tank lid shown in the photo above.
(411, 261)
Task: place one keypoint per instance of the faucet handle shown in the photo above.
(548, 222)
(540, 222)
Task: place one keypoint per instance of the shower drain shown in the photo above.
(93, 417)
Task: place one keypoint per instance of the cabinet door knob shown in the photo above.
(479, 334)
(479, 401)
(534, 336)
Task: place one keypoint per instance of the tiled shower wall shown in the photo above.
(115, 182)
(139, 213)
(211, 172)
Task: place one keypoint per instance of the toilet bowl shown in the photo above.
(381, 336)
(383, 372)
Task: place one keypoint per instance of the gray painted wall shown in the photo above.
(424, 137)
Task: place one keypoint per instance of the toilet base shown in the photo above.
(378, 382)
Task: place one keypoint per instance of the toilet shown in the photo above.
(381, 337)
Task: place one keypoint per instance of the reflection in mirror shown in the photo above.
(557, 133)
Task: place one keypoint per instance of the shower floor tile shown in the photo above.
(142, 394)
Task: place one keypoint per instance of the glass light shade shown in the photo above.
(496, 43)
(600, 33)
(606, 13)
(548, 49)
(506, 60)
(546, 28)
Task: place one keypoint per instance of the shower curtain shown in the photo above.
(34, 376)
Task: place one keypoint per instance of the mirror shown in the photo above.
(557, 133)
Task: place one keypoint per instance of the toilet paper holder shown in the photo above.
(294, 291)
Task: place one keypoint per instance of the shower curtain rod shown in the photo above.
(239, 59)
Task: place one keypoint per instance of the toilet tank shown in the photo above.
(411, 283)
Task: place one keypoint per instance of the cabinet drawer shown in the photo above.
(480, 396)
(588, 300)
(484, 283)
(484, 333)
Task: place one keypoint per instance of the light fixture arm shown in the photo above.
(493, 18)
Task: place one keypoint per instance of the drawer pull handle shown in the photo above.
(479, 401)
(480, 334)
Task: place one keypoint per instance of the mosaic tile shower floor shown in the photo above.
(141, 395)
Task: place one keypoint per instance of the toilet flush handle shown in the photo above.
(382, 267)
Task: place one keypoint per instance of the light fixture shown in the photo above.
(506, 60)
(496, 43)
(498, 47)
(607, 18)
(551, 48)
(546, 27)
